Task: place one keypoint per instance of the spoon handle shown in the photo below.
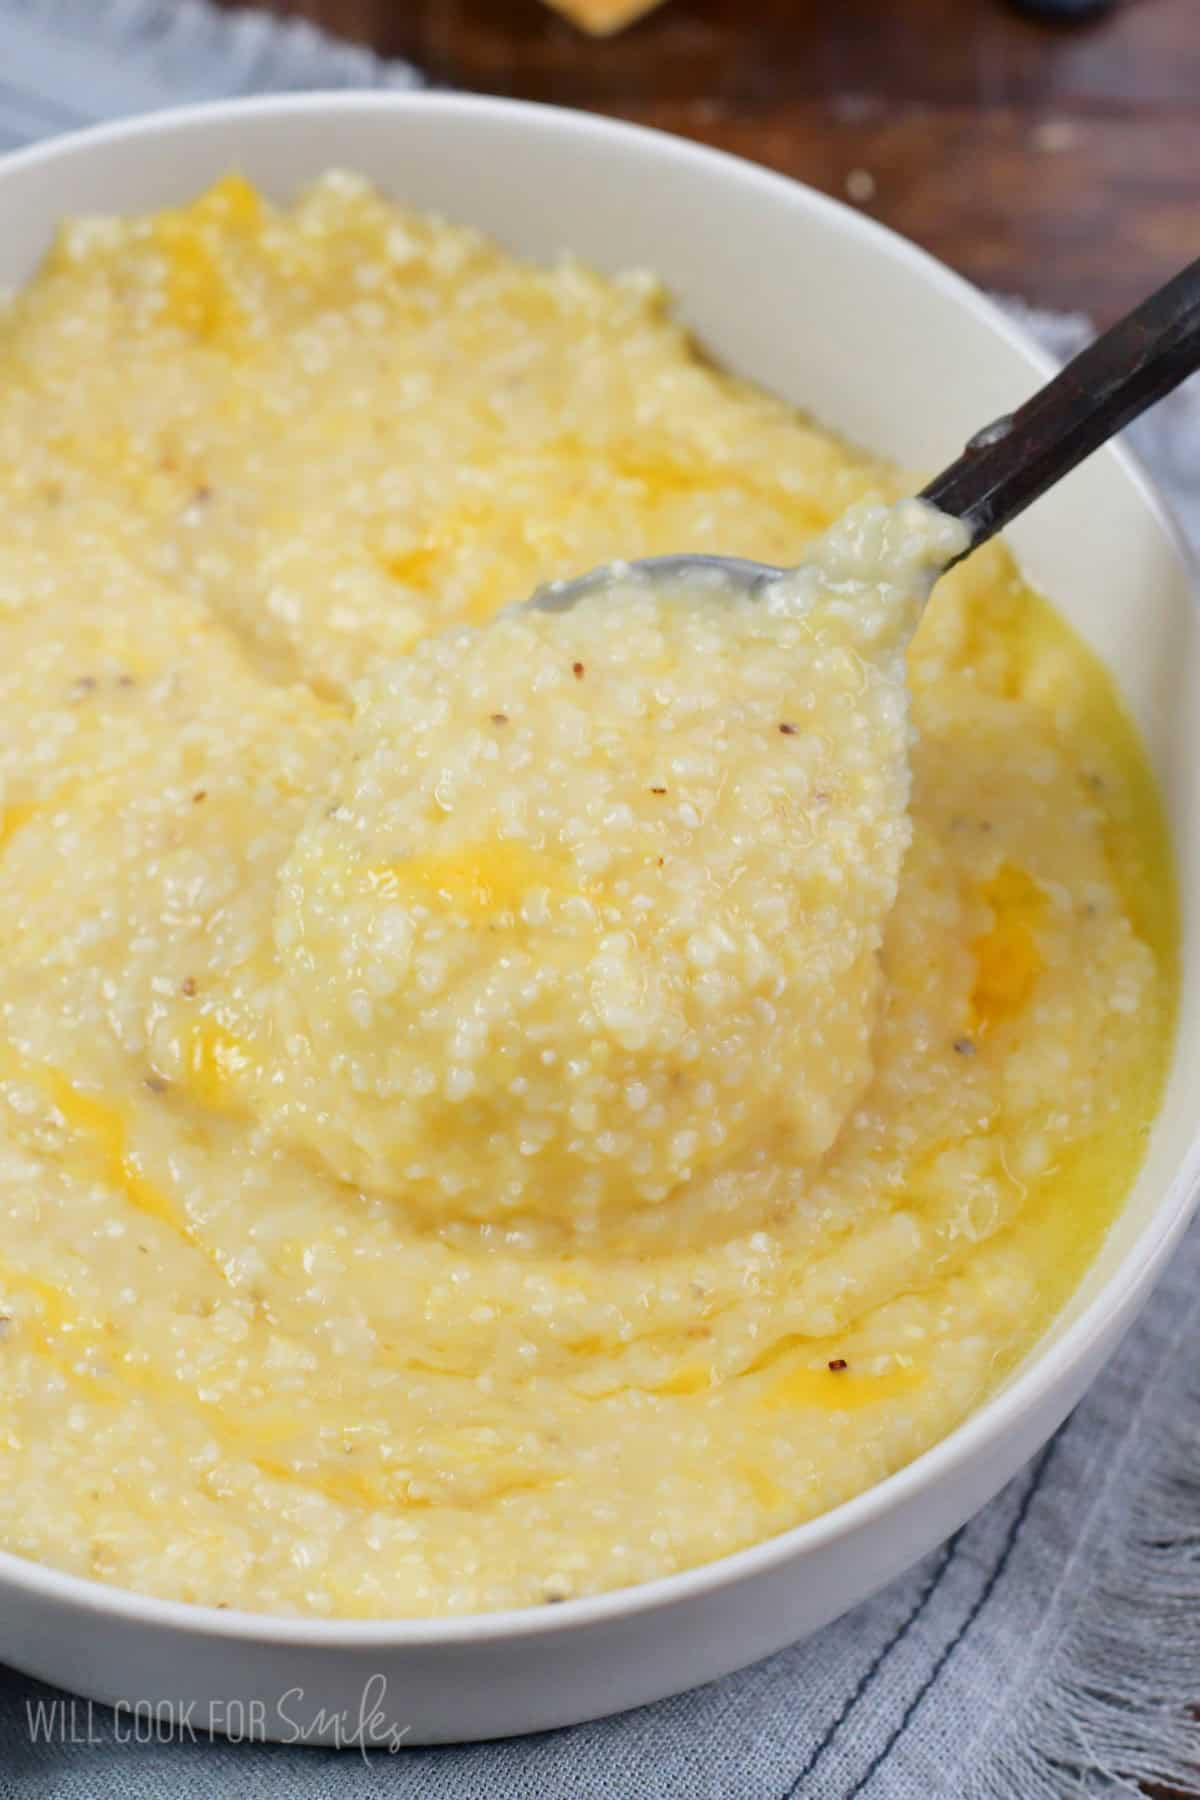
(1011, 463)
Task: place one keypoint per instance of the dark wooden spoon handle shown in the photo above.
(1011, 463)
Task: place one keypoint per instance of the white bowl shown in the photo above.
(827, 308)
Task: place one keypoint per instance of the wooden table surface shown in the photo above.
(1061, 163)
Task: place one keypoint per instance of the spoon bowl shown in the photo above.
(736, 573)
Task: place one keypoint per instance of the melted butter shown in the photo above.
(766, 1490)
(198, 298)
(1007, 959)
(218, 1066)
(55, 1310)
(412, 567)
(19, 813)
(106, 1130)
(12, 818)
(102, 1130)
(841, 1390)
(689, 1378)
(478, 881)
(232, 203)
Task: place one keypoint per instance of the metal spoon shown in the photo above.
(1010, 463)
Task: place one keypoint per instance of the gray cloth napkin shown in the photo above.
(1050, 1649)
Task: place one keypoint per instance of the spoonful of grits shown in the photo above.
(584, 943)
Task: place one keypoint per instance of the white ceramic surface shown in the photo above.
(873, 337)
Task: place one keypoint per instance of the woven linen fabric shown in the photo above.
(65, 64)
(1051, 1648)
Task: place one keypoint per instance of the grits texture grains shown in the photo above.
(589, 933)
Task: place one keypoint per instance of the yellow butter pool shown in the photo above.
(421, 1191)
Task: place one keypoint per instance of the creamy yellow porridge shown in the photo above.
(492, 1112)
(586, 943)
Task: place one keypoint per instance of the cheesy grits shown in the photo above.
(499, 1105)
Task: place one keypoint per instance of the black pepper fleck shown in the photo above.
(964, 1046)
(158, 1084)
(658, 790)
(199, 795)
(837, 1365)
(788, 730)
